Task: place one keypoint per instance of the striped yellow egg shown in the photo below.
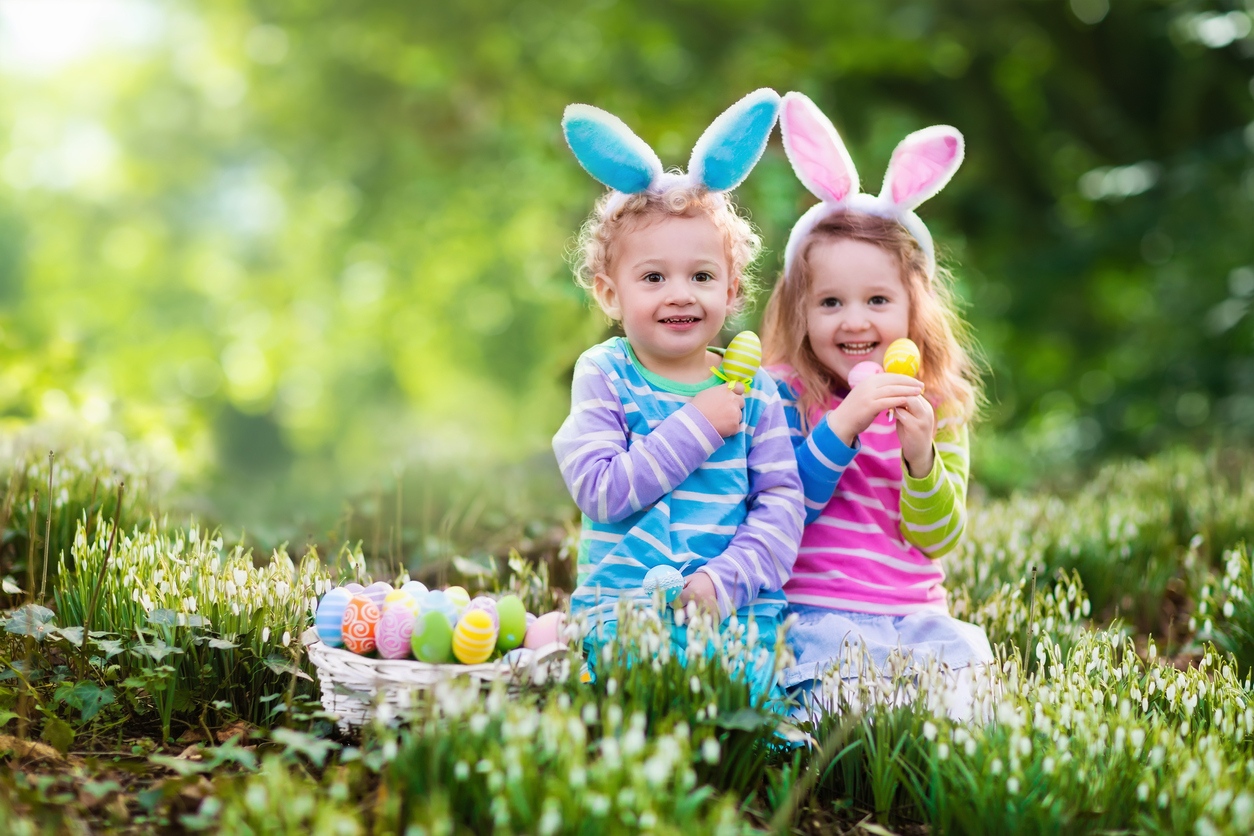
(741, 359)
(474, 637)
(902, 357)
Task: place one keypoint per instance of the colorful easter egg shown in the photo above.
(377, 592)
(354, 587)
(665, 581)
(512, 623)
(741, 359)
(330, 617)
(860, 372)
(483, 602)
(546, 630)
(437, 601)
(459, 596)
(474, 637)
(432, 638)
(361, 617)
(396, 628)
(531, 619)
(401, 598)
(414, 589)
(902, 357)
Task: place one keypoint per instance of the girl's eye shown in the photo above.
(830, 302)
(879, 300)
(654, 277)
(703, 277)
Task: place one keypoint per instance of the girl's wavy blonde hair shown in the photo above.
(616, 213)
(950, 367)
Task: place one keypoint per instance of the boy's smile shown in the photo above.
(669, 283)
(857, 304)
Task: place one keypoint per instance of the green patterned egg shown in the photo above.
(513, 616)
(432, 640)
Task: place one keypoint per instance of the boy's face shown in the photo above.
(857, 304)
(670, 284)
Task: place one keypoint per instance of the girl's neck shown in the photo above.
(693, 368)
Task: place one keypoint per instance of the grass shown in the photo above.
(156, 685)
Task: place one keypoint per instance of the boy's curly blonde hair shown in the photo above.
(616, 213)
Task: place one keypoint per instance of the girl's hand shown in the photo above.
(722, 407)
(699, 588)
(916, 427)
(867, 400)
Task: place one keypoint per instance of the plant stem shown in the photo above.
(1028, 637)
(43, 585)
(89, 616)
(30, 551)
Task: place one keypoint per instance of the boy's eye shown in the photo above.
(830, 302)
(703, 277)
(654, 277)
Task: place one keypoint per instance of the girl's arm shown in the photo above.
(609, 479)
(762, 552)
(934, 508)
(821, 457)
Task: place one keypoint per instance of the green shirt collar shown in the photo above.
(672, 386)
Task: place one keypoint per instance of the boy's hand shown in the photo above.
(722, 407)
(699, 588)
(916, 427)
(868, 399)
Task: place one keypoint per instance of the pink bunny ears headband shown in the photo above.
(722, 158)
(921, 165)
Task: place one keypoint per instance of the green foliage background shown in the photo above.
(304, 245)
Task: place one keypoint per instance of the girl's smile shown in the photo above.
(857, 304)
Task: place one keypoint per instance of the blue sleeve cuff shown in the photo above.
(829, 448)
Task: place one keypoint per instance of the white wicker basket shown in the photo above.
(355, 687)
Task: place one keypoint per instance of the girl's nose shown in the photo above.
(855, 319)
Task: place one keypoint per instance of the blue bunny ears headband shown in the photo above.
(721, 159)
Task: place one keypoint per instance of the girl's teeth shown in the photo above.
(857, 348)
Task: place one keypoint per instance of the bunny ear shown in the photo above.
(734, 142)
(922, 164)
(608, 150)
(816, 151)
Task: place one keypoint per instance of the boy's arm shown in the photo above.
(609, 479)
(821, 457)
(763, 550)
(934, 508)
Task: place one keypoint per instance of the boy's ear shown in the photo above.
(607, 296)
(733, 290)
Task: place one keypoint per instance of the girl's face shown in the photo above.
(669, 283)
(857, 304)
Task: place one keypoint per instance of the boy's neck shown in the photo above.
(693, 368)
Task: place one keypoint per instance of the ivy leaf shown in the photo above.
(222, 644)
(163, 618)
(110, 647)
(9, 587)
(31, 620)
(74, 635)
(87, 697)
(314, 748)
(283, 667)
(58, 734)
(158, 650)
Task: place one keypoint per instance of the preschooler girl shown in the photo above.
(883, 465)
(669, 466)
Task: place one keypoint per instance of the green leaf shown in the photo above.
(282, 666)
(222, 644)
(87, 697)
(314, 748)
(31, 620)
(74, 635)
(9, 587)
(181, 766)
(110, 647)
(158, 650)
(744, 719)
(5, 717)
(163, 618)
(58, 734)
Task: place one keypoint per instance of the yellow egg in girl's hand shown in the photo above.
(902, 357)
